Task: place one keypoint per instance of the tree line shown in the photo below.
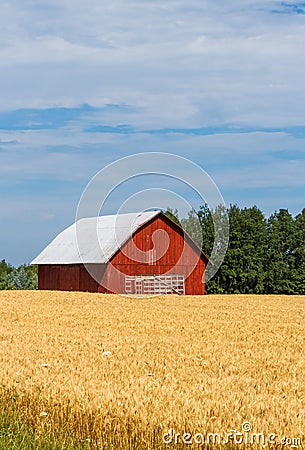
(265, 255)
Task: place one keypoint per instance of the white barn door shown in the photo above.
(155, 284)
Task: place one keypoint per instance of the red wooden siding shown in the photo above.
(70, 277)
(181, 257)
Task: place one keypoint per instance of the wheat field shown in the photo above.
(120, 373)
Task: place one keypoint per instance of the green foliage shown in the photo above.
(265, 255)
(242, 271)
(23, 277)
(193, 226)
(281, 264)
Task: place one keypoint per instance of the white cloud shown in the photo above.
(188, 64)
(176, 64)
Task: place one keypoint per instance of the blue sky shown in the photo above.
(83, 83)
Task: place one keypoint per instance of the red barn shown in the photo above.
(141, 253)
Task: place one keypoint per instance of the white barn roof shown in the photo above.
(93, 240)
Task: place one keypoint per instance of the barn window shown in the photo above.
(155, 284)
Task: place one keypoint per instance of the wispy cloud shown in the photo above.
(290, 8)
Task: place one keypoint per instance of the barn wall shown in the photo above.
(180, 258)
(70, 277)
(58, 277)
(89, 283)
(48, 277)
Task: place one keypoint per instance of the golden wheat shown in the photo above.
(120, 370)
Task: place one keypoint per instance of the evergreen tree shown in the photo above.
(24, 277)
(5, 270)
